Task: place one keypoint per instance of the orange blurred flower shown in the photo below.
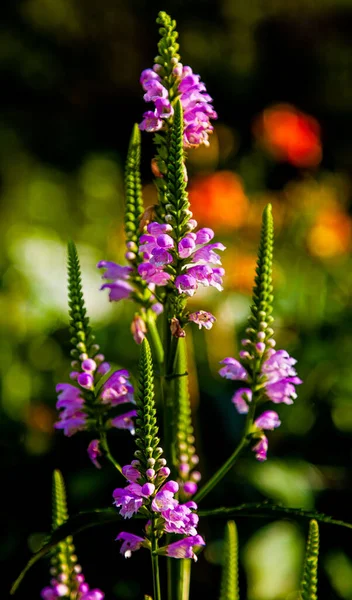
(240, 271)
(331, 234)
(289, 135)
(218, 200)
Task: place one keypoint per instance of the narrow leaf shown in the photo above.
(74, 525)
(267, 511)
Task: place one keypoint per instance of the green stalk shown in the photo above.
(214, 480)
(155, 342)
(105, 446)
(155, 565)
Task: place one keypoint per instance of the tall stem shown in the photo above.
(105, 446)
(155, 565)
(155, 342)
(214, 480)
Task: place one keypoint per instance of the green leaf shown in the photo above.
(229, 579)
(268, 511)
(133, 187)
(74, 525)
(310, 568)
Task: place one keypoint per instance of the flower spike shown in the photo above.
(134, 202)
(229, 578)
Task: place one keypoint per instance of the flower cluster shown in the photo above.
(77, 403)
(193, 252)
(155, 498)
(196, 103)
(277, 381)
(122, 284)
(64, 584)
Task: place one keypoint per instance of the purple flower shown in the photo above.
(202, 318)
(233, 370)
(180, 519)
(241, 399)
(184, 548)
(186, 246)
(155, 229)
(93, 452)
(190, 488)
(130, 543)
(117, 390)
(113, 270)
(261, 449)
(164, 499)
(151, 121)
(125, 421)
(268, 420)
(281, 377)
(93, 595)
(163, 108)
(119, 290)
(154, 91)
(160, 257)
(186, 284)
(138, 329)
(131, 473)
(151, 274)
(72, 418)
(128, 499)
(148, 75)
(207, 254)
(86, 380)
(204, 235)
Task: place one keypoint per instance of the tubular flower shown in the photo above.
(202, 318)
(77, 403)
(184, 548)
(159, 251)
(196, 104)
(156, 497)
(277, 381)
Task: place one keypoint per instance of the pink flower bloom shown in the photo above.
(125, 421)
(128, 499)
(130, 543)
(233, 370)
(190, 488)
(117, 389)
(202, 318)
(207, 254)
(261, 449)
(268, 420)
(186, 246)
(113, 270)
(138, 329)
(85, 380)
(180, 519)
(241, 399)
(204, 235)
(119, 290)
(131, 473)
(184, 548)
(164, 499)
(186, 284)
(151, 121)
(154, 228)
(93, 453)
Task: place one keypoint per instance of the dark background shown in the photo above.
(69, 96)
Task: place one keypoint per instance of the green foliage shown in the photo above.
(229, 579)
(310, 567)
(79, 322)
(133, 188)
(262, 292)
(176, 198)
(146, 424)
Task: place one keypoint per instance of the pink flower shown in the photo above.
(93, 452)
(184, 548)
(241, 399)
(233, 370)
(202, 318)
(130, 543)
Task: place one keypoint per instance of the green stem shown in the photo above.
(214, 480)
(155, 342)
(105, 446)
(185, 578)
(155, 565)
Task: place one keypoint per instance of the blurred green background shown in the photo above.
(280, 74)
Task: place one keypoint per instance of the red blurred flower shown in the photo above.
(219, 201)
(289, 135)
